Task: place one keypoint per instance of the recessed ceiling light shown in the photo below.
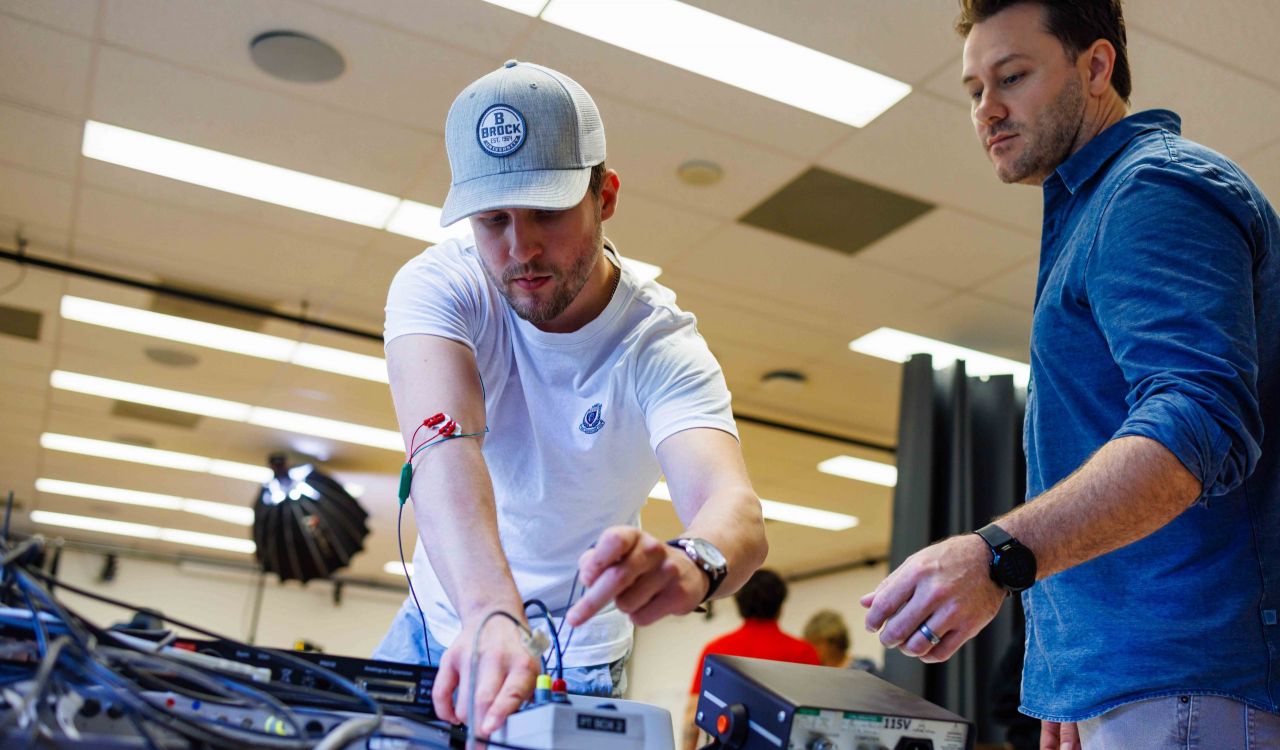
(898, 346)
(234, 411)
(296, 57)
(699, 172)
(730, 52)
(779, 511)
(241, 515)
(143, 531)
(860, 469)
(223, 338)
(153, 457)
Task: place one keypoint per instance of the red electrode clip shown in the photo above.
(449, 428)
(434, 420)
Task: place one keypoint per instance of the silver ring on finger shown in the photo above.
(928, 633)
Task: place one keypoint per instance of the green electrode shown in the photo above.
(406, 481)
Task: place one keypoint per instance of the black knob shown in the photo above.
(91, 708)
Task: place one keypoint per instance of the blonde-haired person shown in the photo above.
(829, 634)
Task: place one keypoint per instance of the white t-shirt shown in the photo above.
(574, 419)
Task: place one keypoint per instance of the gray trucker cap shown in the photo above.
(523, 136)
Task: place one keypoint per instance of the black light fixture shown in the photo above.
(305, 524)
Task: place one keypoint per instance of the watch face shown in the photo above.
(1016, 568)
(708, 553)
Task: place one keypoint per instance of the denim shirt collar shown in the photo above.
(1088, 161)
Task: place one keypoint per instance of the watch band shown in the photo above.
(994, 536)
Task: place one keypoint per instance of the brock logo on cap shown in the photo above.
(500, 130)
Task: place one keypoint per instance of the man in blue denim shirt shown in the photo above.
(1155, 368)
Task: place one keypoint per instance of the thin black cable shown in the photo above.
(195, 727)
(8, 511)
(426, 634)
(372, 707)
(555, 634)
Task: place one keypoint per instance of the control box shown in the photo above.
(754, 704)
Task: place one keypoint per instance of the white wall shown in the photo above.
(222, 600)
(666, 652)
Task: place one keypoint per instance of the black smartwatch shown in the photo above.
(1013, 566)
(707, 557)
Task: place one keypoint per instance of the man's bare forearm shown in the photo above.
(1129, 489)
(457, 520)
(731, 520)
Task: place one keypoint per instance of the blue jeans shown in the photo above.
(404, 643)
(1182, 722)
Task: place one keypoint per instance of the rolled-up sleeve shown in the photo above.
(1170, 283)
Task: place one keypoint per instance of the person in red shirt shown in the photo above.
(760, 604)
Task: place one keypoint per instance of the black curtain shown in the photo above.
(960, 464)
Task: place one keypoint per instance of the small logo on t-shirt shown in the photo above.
(592, 421)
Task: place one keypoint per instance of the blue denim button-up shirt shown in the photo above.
(1158, 314)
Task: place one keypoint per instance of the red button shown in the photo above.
(722, 723)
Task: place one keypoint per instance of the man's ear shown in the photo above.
(1100, 62)
(609, 194)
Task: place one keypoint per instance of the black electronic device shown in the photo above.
(402, 687)
(754, 704)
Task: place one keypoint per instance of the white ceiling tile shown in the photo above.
(805, 277)
(1016, 286)
(652, 231)
(484, 28)
(977, 323)
(43, 68)
(951, 248)
(864, 32)
(390, 75)
(926, 148)
(39, 141)
(1220, 108)
(611, 72)
(646, 148)
(1240, 33)
(206, 250)
(34, 198)
(196, 108)
(75, 16)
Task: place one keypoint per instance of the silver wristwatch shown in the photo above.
(707, 557)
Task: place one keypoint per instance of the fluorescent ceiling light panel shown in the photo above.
(143, 531)
(898, 346)
(730, 52)
(144, 394)
(779, 511)
(860, 469)
(154, 457)
(422, 221)
(237, 514)
(393, 568)
(223, 338)
(237, 175)
(230, 410)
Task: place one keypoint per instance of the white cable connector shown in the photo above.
(535, 642)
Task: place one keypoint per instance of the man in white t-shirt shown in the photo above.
(591, 383)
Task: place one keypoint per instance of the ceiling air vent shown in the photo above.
(15, 321)
(155, 414)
